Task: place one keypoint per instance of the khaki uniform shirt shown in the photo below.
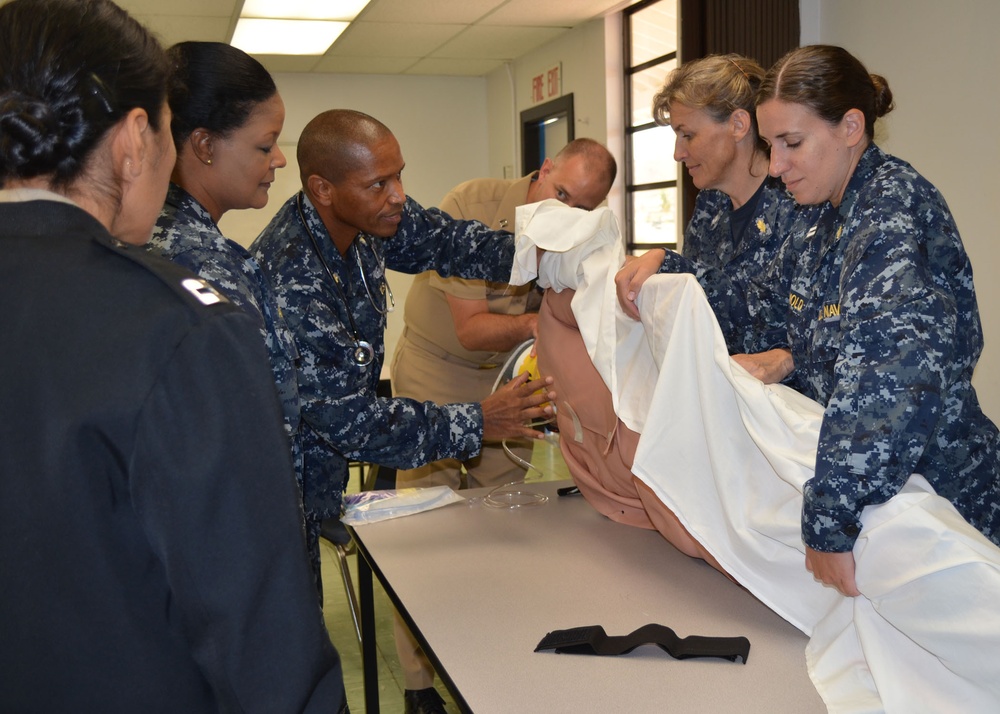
(428, 317)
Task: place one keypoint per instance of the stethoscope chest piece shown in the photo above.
(364, 353)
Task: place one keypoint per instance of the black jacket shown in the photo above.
(151, 544)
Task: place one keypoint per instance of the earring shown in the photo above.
(208, 162)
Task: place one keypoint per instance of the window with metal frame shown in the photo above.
(658, 35)
(652, 194)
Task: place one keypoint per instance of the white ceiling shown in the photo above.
(441, 37)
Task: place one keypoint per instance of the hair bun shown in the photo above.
(69, 71)
(883, 95)
(32, 137)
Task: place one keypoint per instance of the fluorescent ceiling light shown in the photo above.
(286, 37)
(304, 9)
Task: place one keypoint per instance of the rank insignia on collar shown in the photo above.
(205, 293)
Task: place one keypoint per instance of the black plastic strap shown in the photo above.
(593, 640)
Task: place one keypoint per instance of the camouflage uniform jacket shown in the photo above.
(883, 324)
(724, 264)
(187, 235)
(343, 418)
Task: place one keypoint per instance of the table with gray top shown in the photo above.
(481, 586)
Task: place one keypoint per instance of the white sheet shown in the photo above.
(925, 636)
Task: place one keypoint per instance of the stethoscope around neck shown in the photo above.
(364, 353)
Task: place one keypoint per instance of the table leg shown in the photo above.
(369, 650)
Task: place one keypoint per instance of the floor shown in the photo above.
(341, 628)
(550, 466)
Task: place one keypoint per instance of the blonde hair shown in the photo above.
(716, 84)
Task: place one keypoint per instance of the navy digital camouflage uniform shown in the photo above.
(343, 418)
(883, 324)
(186, 234)
(723, 263)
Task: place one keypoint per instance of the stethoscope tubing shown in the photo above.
(364, 352)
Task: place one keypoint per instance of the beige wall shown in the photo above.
(594, 82)
(581, 52)
(942, 61)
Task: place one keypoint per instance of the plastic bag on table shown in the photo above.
(374, 506)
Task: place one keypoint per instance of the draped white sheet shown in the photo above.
(729, 456)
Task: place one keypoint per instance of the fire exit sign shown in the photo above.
(547, 85)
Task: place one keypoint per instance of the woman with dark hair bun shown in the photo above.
(876, 301)
(226, 118)
(151, 540)
(57, 105)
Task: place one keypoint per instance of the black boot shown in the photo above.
(423, 701)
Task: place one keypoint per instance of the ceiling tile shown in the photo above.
(455, 67)
(462, 37)
(171, 30)
(461, 12)
(564, 13)
(392, 39)
(503, 43)
(365, 65)
(196, 8)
